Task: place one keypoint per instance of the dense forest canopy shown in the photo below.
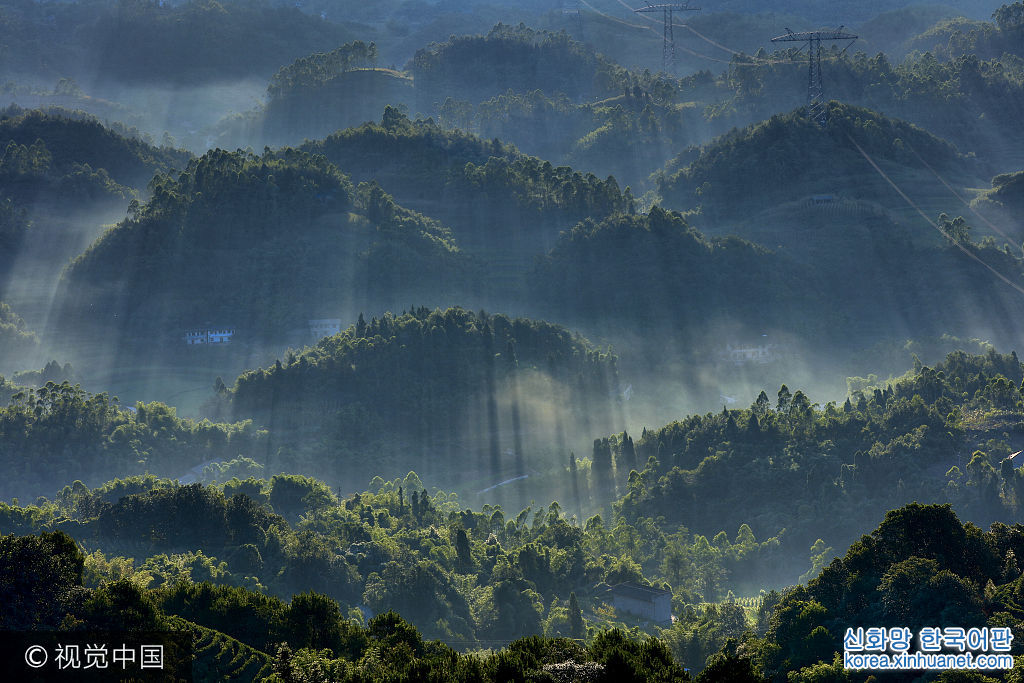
(321, 67)
(920, 566)
(75, 138)
(451, 393)
(15, 338)
(398, 546)
(283, 220)
(320, 93)
(644, 267)
(640, 272)
(494, 198)
(925, 437)
(511, 341)
(787, 157)
(62, 429)
(138, 41)
(512, 57)
(970, 101)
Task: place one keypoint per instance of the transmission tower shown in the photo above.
(668, 46)
(815, 100)
(571, 11)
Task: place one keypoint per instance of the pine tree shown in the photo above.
(283, 663)
(602, 466)
(577, 627)
(753, 425)
(785, 397)
(761, 405)
(628, 458)
(574, 478)
(462, 549)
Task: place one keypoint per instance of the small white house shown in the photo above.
(324, 327)
(193, 337)
(209, 335)
(759, 354)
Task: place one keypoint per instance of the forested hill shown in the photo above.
(554, 118)
(513, 58)
(997, 39)
(939, 434)
(452, 393)
(921, 567)
(972, 102)
(641, 272)
(261, 243)
(59, 162)
(412, 159)
(232, 629)
(75, 139)
(644, 270)
(59, 433)
(14, 226)
(146, 42)
(1008, 190)
(15, 339)
(788, 157)
(496, 200)
(62, 175)
(1005, 202)
(319, 94)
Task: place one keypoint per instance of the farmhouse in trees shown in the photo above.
(324, 327)
(654, 604)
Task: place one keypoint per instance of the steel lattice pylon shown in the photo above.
(668, 46)
(815, 92)
(571, 11)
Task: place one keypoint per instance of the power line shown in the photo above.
(687, 50)
(649, 28)
(668, 43)
(737, 53)
(932, 223)
(571, 10)
(815, 102)
(956, 194)
(616, 19)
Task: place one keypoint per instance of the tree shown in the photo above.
(283, 668)
(38, 575)
(463, 551)
(575, 480)
(315, 621)
(956, 229)
(761, 405)
(577, 627)
(602, 467)
(1010, 17)
(628, 455)
(121, 606)
(900, 585)
(785, 397)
